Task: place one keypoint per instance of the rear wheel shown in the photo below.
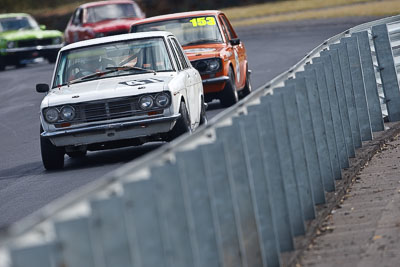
(182, 125)
(52, 156)
(229, 96)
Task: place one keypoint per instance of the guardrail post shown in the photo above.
(35, 256)
(201, 219)
(241, 191)
(341, 96)
(327, 116)
(74, 237)
(371, 88)
(292, 186)
(335, 110)
(143, 223)
(222, 201)
(260, 186)
(279, 196)
(172, 216)
(388, 72)
(360, 96)
(109, 231)
(302, 142)
(319, 140)
(349, 92)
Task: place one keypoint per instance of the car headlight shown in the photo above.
(51, 115)
(67, 113)
(162, 100)
(208, 65)
(57, 40)
(11, 44)
(146, 102)
(213, 64)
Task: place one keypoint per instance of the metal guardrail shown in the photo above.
(237, 191)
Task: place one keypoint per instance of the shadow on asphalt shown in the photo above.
(106, 157)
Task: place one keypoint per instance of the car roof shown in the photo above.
(12, 15)
(114, 38)
(179, 15)
(101, 3)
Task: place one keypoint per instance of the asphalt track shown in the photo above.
(25, 185)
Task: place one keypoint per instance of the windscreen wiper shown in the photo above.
(203, 41)
(109, 70)
(96, 74)
(128, 68)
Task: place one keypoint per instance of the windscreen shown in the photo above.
(149, 54)
(189, 31)
(17, 23)
(106, 12)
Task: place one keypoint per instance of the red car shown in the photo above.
(103, 18)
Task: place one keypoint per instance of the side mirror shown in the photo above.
(42, 27)
(42, 88)
(235, 41)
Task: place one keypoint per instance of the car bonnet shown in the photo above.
(108, 88)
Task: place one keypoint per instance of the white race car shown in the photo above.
(118, 91)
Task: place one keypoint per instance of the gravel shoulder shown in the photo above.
(363, 228)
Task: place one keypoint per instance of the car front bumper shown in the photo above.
(14, 55)
(111, 131)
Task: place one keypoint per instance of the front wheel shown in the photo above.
(77, 154)
(203, 115)
(182, 125)
(247, 88)
(52, 156)
(52, 59)
(2, 64)
(229, 96)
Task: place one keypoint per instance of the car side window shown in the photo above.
(221, 21)
(77, 17)
(175, 54)
(229, 28)
(181, 54)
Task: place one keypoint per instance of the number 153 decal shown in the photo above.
(203, 21)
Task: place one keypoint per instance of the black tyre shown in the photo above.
(52, 59)
(182, 125)
(52, 156)
(20, 65)
(203, 115)
(229, 96)
(2, 64)
(77, 154)
(247, 88)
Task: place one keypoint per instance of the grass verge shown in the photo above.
(371, 8)
(280, 7)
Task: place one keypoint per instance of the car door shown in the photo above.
(239, 53)
(192, 90)
(181, 76)
(74, 30)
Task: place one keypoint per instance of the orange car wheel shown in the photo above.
(247, 87)
(229, 96)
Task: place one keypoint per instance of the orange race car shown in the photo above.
(213, 48)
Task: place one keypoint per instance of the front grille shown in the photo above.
(109, 109)
(112, 109)
(117, 32)
(35, 42)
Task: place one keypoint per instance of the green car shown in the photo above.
(22, 40)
